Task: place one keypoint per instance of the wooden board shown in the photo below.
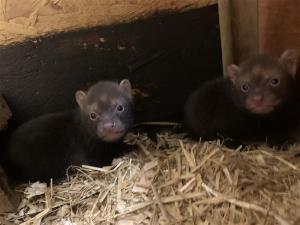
(245, 29)
(279, 25)
(19, 21)
(226, 32)
(239, 29)
(250, 26)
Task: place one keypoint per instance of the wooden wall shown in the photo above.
(239, 29)
(20, 20)
(258, 26)
(279, 25)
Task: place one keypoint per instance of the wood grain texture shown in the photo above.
(279, 25)
(244, 29)
(239, 30)
(226, 32)
(19, 21)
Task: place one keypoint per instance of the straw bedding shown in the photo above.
(173, 180)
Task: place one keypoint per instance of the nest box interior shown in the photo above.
(166, 48)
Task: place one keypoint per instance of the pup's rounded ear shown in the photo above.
(232, 72)
(289, 59)
(80, 98)
(125, 85)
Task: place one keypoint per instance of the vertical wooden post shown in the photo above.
(226, 32)
(239, 30)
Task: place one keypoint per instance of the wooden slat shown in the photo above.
(226, 32)
(239, 29)
(19, 21)
(279, 25)
(245, 29)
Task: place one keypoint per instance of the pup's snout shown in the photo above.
(109, 125)
(114, 126)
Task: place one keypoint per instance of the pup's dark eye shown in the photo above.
(275, 82)
(245, 87)
(93, 116)
(120, 108)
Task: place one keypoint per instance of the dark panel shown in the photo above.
(165, 56)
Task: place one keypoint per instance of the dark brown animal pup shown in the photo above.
(45, 147)
(256, 101)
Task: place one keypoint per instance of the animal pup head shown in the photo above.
(107, 109)
(263, 83)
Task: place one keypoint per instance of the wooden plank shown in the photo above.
(239, 29)
(279, 22)
(245, 29)
(226, 32)
(20, 21)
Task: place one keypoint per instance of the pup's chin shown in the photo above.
(262, 109)
(111, 136)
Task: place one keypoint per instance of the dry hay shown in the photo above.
(173, 181)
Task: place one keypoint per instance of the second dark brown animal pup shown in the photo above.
(256, 101)
(91, 134)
